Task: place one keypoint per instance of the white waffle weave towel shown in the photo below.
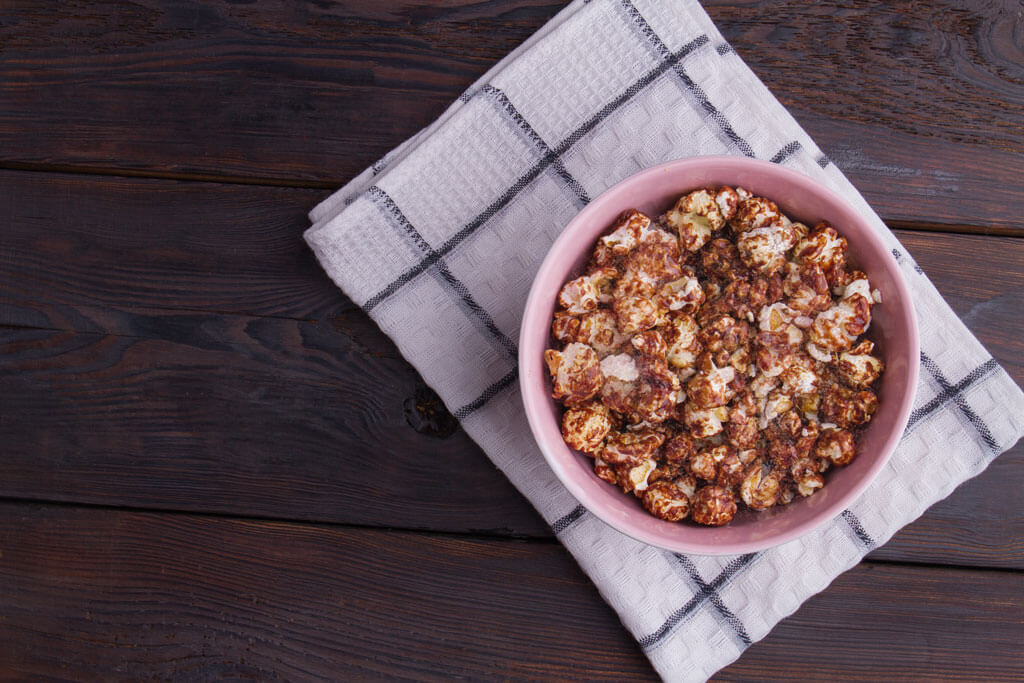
(439, 242)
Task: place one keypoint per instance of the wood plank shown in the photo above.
(261, 418)
(112, 243)
(881, 622)
(923, 109)
(237, 428)
(982, 279)
(92, 593)
(913, 182)
(77, 247)
(975, 526)
(99, 593)
(227, 89)
(175, 346)
(907, 85)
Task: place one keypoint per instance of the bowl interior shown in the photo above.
(893, 329)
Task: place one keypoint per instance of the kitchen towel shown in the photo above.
(439, 241)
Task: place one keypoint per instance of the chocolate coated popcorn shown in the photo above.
(712, 358)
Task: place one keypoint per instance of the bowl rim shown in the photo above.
(534, 404)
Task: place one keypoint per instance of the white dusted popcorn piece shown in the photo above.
(858, 368)
(585, 426)
(629, 230)
(699, 214)
(704, 422)
(576, 373)
(666, 500)
(586, 292)
(599, 330)
(826, 248)
(684, 295)
(764, 248)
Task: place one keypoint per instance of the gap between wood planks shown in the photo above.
(75, 169)
(188, 177)
(472, 534)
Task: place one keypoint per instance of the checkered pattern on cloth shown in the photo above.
(440, 239)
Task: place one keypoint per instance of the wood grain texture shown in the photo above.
(257, 417)
(187, 247)
(242, 90)
(922, 624)
(93, 594)
(975, 526)
(982, 279)
(932, 84)
(157, 328)
(174, 345)
(923, 110)
(254, 432)
(100, 594)
(78, 250)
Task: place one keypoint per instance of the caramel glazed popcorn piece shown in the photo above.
(713, 359)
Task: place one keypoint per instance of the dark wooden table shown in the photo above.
(215, 465)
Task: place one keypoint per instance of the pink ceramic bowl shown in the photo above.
(893, 329)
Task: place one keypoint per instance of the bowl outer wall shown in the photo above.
(894, 329)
